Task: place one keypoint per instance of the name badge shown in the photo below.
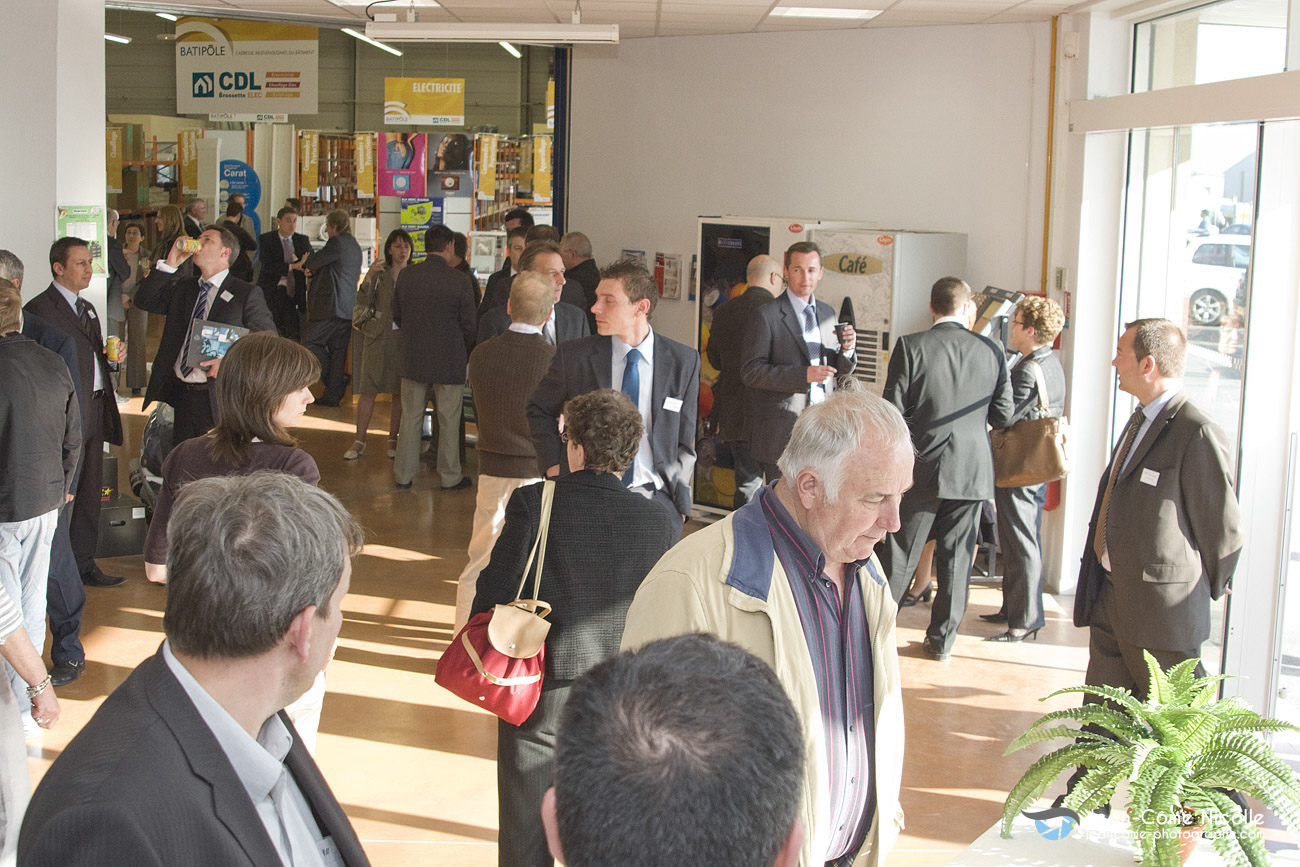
(673, 404)
(329, 853)
(1150, 477)
(225, 295)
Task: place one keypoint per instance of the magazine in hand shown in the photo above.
(209, 340)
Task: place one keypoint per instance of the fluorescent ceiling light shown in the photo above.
(391, 7)
(166, 15)
(823, 12)
(366, 39)
(510, 48)
(113, 37)
(535, 34)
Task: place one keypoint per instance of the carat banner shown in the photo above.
(245, 67)
(427, 101)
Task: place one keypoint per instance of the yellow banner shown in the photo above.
(189, 156)
(113, 143)
(487, 163)
(365, 160)
(550, 104)
(427, 101)
(542, 168)
(308, 163)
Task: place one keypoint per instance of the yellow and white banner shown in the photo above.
(365, 162)
(224, 65)
(543, 147)
(113, 145)
(427, 101)
(308, 163)
(487, 165)
(189, 148)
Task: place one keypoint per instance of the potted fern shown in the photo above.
(1179, 751)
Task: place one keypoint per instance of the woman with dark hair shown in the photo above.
(241, 263)
(603, 541)
(381, 348)
(452, 154)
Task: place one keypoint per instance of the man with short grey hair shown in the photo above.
(581, 268)
(195, 210)
(193, 753)
(11, 268)
(791, 578)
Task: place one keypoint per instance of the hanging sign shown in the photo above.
(365, 162)
(426, 101)
(542, 168)
(113, 143)
(87, 223)
(189, 154)
(223, 65)
(550, 104)
(487, 172)
(308, 163)
(401, 164)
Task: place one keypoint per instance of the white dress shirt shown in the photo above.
(643, 465)
(198, 375)
(816, 391)
(71, 297)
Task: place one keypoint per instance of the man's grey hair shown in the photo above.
(576, 244)
(827, 435)
(111, 216)
(11, 267)
(246, 554)
(190, 203)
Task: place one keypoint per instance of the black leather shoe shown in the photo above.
(66, 672)
(998, 617)
(402, 486)
(459, 486)
(934, 651)
(96, 578)
(325, 401)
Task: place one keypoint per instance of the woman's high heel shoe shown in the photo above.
(1009, 637)
(910, 599)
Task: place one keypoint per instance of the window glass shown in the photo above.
(1215, 42)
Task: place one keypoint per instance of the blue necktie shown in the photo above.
(632, 388)
(200, 309)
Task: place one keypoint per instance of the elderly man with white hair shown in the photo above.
(791, 578)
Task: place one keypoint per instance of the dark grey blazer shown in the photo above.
(433, 305)
(951, 384)
(1173, 532)
(775, 372)
(335, 274)
(41, 420)
(585, 365)
(570, 323)
(270, 252)
(1024, 385)
(146, 783)
(726, 350)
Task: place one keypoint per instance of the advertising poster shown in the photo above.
(543, 154)
(550, 104)
(487, 166)
(245, 67)
(401, 164)
(308, 163)
(239, 177)
(87, 223)
(189, 156)
(451, 158)
(417, 216)
(365, 161)
(668, 274)
(113, 145)
(424, 101)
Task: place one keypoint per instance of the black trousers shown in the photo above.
(749, 474)
(65, 597)
(288, 321)
(83, 527)
(328, 340)
(525, 768)
(195, 412)
(1020, 513)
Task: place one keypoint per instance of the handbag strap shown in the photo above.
(1043, 408)
(539, 544)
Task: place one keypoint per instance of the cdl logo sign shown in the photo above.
(203, 84)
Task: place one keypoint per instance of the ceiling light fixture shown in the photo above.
(823, 12)
(113, 37)
(366, 39)
(534, 34)
(510, 48)
(167, 15)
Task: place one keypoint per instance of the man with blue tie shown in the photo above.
(661, 376)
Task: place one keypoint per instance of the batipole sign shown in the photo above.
(424, 101)
(245, 68)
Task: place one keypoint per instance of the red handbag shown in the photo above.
(497, 660)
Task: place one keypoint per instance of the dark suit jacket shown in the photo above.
(56, 311)
(950, 384)
(603, 541)
(1174, 537)
(118, 272)
(192, 227)
(173, 296)
(41, 421)
(335, 274)
(570, 324)
(497, 292)
(775, 371)
(271, 254)
(433, 305)
(726, 350)
(587, 275)
(241, 260)
(145, 782)
(585, 365)
(1024, 386)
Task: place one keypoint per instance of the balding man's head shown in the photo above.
(766, 272)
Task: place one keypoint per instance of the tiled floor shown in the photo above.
(414, 767)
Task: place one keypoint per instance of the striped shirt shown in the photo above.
(839, 646)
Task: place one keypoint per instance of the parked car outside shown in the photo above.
(1215, 268)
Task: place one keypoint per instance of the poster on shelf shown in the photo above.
(424, 101)
(309, 163)
(87, 223)
(668, 274)
(365, 162)
(223, 65)
(487, 167)
(418, 214)
(542, 169)
(401, 164)
(239, 177)
(451, 159)
(188, 145)
(113, 146)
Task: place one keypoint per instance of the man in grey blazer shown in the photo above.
(950, 384)
(566, 323)
(335, 270)
(792, 356)
(191, 760)
(1165, 533)
(664, 376)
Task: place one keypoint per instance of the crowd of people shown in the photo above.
(783, 612)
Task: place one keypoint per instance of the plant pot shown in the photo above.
(1188, 837)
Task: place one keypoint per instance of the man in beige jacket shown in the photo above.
(791, 578)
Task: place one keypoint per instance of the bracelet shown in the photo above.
(33, 691)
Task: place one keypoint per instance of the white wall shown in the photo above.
(935, 128)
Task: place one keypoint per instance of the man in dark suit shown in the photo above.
(433, 304)
(950, 384)
(567, 322)
(791, 357)
(581, 268)
(162, 773)
(214, 295)
(119, 271)
(726, 350)
(661, 376)
(335, 272)
(284, 285)
(62, 306)
(196, 210)
(1165, 534)
(498, 285)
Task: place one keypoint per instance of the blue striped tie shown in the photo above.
(200, 309)
(632, 388)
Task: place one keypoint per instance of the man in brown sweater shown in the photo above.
(503, 372)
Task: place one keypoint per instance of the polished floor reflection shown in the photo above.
(414, 766)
